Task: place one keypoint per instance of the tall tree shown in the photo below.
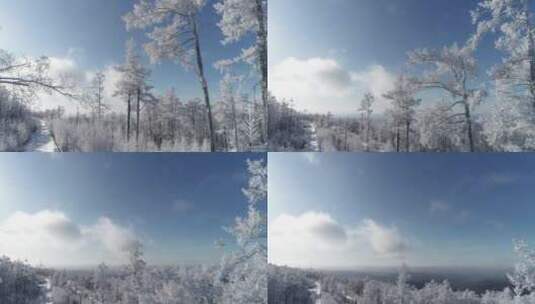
(514, 22)
(452, 69)
(97, 85)
(366, 110)
(403, 103)
(133, 84)
(238, 18)
(523, 277)
(244, 273)
(175, 35)
(228, 93)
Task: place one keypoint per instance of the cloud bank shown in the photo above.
(316, 239)
(52, 238)
(321, 85)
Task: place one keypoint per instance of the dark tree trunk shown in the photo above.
(468, 117)
(263, 58)
(408, 131)
(235, 124)
(128, 111)
(531, 55)
(397, 139)
(138, 108)
(204, 84)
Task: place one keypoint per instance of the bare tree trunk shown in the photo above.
(128, 110)
(263, 61)
(408, 131)
(235, 122)
(99, 102)
(204, 83)
(531, 55)
(468, 117)
(397, 138)
(367, 133)
(346, 147)
(138, 108)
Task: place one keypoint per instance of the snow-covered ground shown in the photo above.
(47, 286)
(322, 297)
(313, 144)
(41, 140)
(317, 291)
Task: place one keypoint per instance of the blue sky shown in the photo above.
(93, 34)
(176, 204)
(380, 209)
(369, 38)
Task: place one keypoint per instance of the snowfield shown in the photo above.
(291, 285)
(47, 290)
(41, 140)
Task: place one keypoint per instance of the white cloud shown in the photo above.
(316, 239)
(68, 67)
(322, 84)
(115, 239)
(376, 80)
(384, 240)
(52, 238)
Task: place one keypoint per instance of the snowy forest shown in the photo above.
(235, 119)
(240, 276)
(439, 103)
(296, 286)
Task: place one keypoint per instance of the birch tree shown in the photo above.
(175, 35)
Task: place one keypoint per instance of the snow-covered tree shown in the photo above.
(251, 123)
(19, 283)
(133, 84)
(403, 276)
(26, 76)
(175, 35)
(243, 274)
(506, 126)
(96, 97)
(238, 18)
(437, 128)
(229, 98)
(366, 110)
(514, 22)
(452, 70)
(523, 277)
(403, 104)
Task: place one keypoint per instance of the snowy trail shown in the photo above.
(41, 140)
(317, 291)
(313, 144)
(48, 290)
